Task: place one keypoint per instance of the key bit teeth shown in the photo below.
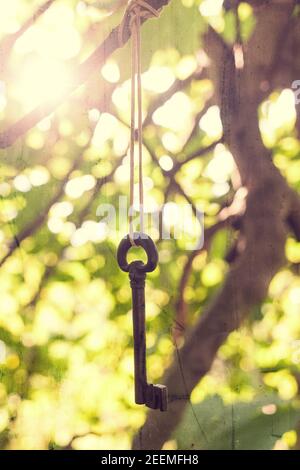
(157, 397)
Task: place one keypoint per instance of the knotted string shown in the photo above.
(136, 10)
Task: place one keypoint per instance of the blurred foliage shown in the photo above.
(261, 425)
(66, 350)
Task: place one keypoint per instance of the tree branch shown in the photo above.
(180, 305)
(195, 127)
(8, 42)
(80, 75)
(32, 227)
(200, 152)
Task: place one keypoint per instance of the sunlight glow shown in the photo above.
(42, 79)
(94, 114)
(107, 128)
(22, 183)
(175, 113)
(44, 50)
(211, 123)
(8, 20)
(55, 225)
(76, 187)
(53, 36)
(282, 110)
(171, 142)
(211, 7)
(220, 166)
(186, 66)
(89, 231)
(35, 139)
(38, 176)
(61, 209)
(121, 97)
(111, 71)
(158, 79)
(166, 162)
(278, 116)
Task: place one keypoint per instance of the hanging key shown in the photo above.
(153, 396)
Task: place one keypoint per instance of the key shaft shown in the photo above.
(153, 396)
(137, 283)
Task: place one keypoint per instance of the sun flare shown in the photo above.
(42, 80)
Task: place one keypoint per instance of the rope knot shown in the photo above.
(136, 9)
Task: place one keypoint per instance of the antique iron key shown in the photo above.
(153, 396)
